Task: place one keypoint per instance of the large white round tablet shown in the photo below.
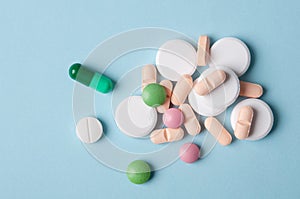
(230, 52)
(134, 118)
(220, 98)
(176, 58)
(262, 121)
(89, 129)
(201, 108)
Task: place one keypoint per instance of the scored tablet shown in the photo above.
(262, 121)
(220, 98)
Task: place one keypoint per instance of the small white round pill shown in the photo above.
(262, 121)
(134, 118)
(89, 129)
(230, 52)
(176, 58)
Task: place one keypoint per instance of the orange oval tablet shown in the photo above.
(160, 136)
(182, 89)
(203, 50)
(168, 87)
(218, 131)
(248, 89)
(148, 75)
(243, 124)
(209, 83)
(191, 123)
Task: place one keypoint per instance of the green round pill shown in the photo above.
(154, 95)
(138, 172)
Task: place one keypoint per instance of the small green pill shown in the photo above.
(91, 79)
(138, 172)
(154, 95)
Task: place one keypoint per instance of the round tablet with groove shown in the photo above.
(220, 98)
(262, 121)
(89, 129)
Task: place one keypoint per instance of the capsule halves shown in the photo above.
(91, 79)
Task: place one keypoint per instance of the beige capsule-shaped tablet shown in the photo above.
(203, 50)
(148, 75)
(191, 123)
(209, 83)
(168, 87)
(160, 136)
(248, 89)
(218, 131)
(243, 124)
(182, 89)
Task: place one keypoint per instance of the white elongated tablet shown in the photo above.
(134, 118)
(220, 98)
(230, 52)
(262, 121)
(89, 129)
(176, 58)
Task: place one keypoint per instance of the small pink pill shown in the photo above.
(189, 152)
(173, 118)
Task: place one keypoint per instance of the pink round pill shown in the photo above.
(173, 118)
(189, 152)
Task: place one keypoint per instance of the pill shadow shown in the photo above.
(104, 126)
(253, 121)
(276, 119)
(265, 91)
(252, 53)
(275, 122)
(152, 174)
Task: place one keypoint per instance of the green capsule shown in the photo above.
(91, 79)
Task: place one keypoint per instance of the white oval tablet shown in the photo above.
(230, 52)
(89, 129)
(220, 98)
(134, 118)
(262, 121)
(176, 58)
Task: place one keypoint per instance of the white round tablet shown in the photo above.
(134, 118)
(89, 129)
(220, 98)
(201, 108)
(176, 58)
(230, 52)
(262, 121)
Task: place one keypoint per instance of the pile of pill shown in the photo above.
(180, 98)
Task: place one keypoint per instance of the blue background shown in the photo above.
(40, 156)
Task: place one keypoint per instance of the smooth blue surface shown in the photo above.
(40, 156)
